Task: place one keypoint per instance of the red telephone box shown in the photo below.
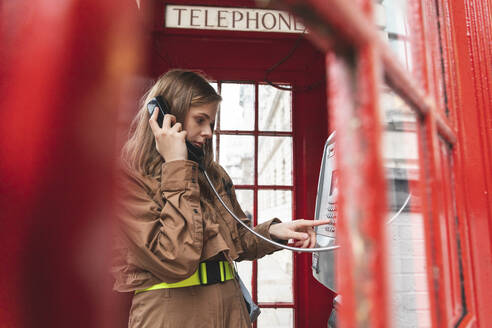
(262, 67)
(405, 84)
(426, 69)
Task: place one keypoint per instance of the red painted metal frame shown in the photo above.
(254, 276)
(429, 153)
(471, 109)
(351, 27)
(63, 78)
(310, 130)
(361, 264)
(429, 18)
(455, 294)
(453, 53)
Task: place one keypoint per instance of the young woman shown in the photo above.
(177, 242)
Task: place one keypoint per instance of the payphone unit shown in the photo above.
(326, 208)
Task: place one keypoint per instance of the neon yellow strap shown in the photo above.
(203, 271)
(221, 268)
(229, 271)
(226, 273)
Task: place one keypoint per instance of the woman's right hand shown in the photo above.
(170, 139)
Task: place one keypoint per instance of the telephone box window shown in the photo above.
(275, 161)
(274, 109)
(276, 318)
(396, 29)
(245, 270)
(275, 278)
(257, 152)
(275, 271)
(274, 203)
(237, 157)
(453, 284)
(405, 220)
(245, 197)
(238, 101)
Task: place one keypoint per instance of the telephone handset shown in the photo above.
(195, 153)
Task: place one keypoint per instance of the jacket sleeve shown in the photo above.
(253, 247)
(165, 241)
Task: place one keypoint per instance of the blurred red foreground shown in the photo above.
(63, 73)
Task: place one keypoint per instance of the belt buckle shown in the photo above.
(213, 272)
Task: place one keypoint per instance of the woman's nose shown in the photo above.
(207, 132)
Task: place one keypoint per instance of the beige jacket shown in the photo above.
(168, 226)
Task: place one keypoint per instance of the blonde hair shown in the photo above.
(181, 89)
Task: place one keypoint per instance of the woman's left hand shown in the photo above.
(300, 230)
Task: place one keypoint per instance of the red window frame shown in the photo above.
(255, 187)
(354, 56)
